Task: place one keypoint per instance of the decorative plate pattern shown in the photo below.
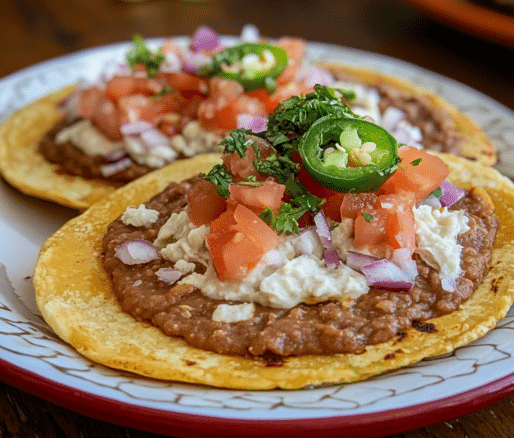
(32, 357)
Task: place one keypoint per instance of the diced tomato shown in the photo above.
(237, 242)
(215, 115)
(184, 82)
(225, 102)
(295, 49)
(401, 225)
(89, 101)
(242, 167)
(171, 103)
(107, 119)
(132, 106)
(332, 208)
(269, 194)
(282, 93)
(388, 221)
(353, 203)
(419, 172)
(370, 227)
(204, 203)
(120, 86)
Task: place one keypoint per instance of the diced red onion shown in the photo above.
(250, 34)
(115, 154)
(113, 68)
(307, 237)
(135, 252)
(384, 274)
(451, 194)
(169, 275)
(135, 128)
(312, 75)
(404, 135)
(402, 257)
(356, 260)
(331, 258)
(449, 284)
(391, 117)
(153, 138)
(253, 123)
(171, 64)
(194, 61)
(205, 40)
(112, 168)
(323, 230)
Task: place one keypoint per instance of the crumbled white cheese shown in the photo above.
(436, 239)
(155, 157)
(87, 138)
(233, 312)
(179, 239)
(140, 216)
(342, 237)
(290, 274)
(185, 267)
(195, 140)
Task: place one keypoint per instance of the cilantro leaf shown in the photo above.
(221, 177)
(237, 142)
(281, 167)
(294, 116)
(141, 54)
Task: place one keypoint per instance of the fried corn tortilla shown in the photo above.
(74, 295)
(25, 168)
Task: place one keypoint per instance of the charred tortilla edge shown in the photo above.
(74, 295)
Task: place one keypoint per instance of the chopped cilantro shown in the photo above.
(367, 217)
(141, 54)
(237, 142)
(221, 177)
(438, 193)
(416, 162)
(294, 116)
(279, 166)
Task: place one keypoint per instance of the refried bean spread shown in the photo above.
(326, 327)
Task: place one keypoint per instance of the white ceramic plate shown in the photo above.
(33, 358)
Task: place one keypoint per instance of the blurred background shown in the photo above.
(453, 37)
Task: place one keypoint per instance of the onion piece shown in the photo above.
(135, 128)
(250, 34)
(323, 230)
(356, 260)
(112, 168)
(204, 40)
(252, 123)
(171, 64)
(451, 194)
(135, 252)
(392, 117)
(449, 284)
(169, 275)
(115, 154)
(331, 258)
(402, 257)
(384, 274)
(153, 138)
(312, 75)
(112, 69)
(70, 106)
(194, 61)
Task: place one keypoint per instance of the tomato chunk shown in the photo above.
(419, 172)
(237, 242)
(204, 203)
(269, 194)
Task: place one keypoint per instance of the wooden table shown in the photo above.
(35, 30)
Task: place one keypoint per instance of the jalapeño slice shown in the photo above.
(348, 154)
(253, 65)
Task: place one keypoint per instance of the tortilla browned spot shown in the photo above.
(24, 168)
(75, 297)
